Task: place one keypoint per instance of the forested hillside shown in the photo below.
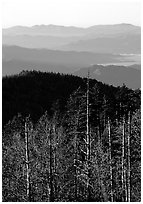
(33, 92)
(70, 139)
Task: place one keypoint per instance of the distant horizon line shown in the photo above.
(68, 26)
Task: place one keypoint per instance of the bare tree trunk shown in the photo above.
(124, 182)
(75, 176)
(129, 168)
(87, 136)
(104, 116)
(110, 161)
(54, 161)
(123, 155)
(100, 177)
(75, 161)
(27, 163)
(51, 196)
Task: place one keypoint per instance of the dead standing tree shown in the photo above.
(52, 146)
(124, 164)
(87, 137)
(110, 161)
(27, 160)
(86, 148)
(128, 155)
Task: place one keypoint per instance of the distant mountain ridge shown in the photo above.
(114, 75)
(118, 38)
(56, 30)
(17, 58)
(53, 30)
(121, 44)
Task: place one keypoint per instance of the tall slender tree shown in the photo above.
(123, 156)
(110, 161)
(27, 161)
(87, 137)
(128, 154)
(124, 164)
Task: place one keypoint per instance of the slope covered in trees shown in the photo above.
(82, 155)
(36, 92)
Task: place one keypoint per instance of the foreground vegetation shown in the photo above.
(87, 148)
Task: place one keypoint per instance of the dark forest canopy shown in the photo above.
(34, 92)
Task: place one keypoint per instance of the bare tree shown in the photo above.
(87, 136)
(110, 161)
(128, 139)
(124, 184)
(27, 161)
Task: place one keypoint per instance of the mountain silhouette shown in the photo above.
(56, 30)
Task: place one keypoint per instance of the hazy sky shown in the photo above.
(81, 13)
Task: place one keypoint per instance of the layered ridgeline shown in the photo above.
(15, 59)
(67, 49)
(82, 142)
(118, 38)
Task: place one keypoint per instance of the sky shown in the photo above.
(81, 13)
